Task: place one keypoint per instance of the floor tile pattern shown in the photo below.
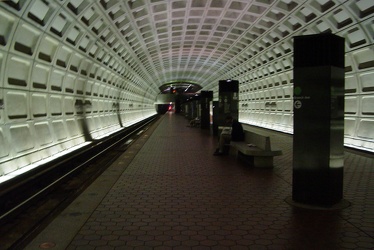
(175, 194)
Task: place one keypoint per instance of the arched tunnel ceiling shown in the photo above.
(190, 40)
(199, 41)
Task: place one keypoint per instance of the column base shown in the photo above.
(338, 206)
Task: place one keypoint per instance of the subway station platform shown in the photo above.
(168, 191)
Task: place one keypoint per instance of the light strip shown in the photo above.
(29, 167)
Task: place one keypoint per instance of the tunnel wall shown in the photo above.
(62, 81)
(265, 68)
(66, 77)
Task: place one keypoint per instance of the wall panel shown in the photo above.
(75, 62)
(69, 85)
(79, 85)
(16, 105)
(17, 72)
(63, 56)
(7, 26)
(367, 106)
(59, 130)
(351, 84)
(350, 126)
(56, 80)
(26, 39)
(364, 58)
(55, 105)
(69, 105)
(2, 65)
(72, 127)
(2, 107)
(365, 129)
(4, 145)
(40, 77)
(43, 133)
(367, 82)
(39, 104)
(39, 12)
(22, 139)
(47, 49)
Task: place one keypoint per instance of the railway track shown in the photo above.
(30, 201)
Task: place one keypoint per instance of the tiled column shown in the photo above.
(318, 119)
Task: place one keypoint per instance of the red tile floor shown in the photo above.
(168, 191)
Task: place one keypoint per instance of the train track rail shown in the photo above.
(30, 201)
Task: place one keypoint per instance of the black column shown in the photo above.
(178, 105)
(192, 109)
(318, 141)
(215, 117)
(228, 103)
(205, 99)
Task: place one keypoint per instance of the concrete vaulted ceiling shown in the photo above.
(197, 41)
(192, 41)
(202, 41)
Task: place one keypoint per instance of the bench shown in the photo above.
(256, 149)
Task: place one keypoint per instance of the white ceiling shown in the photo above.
(201, 41)
(198, 41)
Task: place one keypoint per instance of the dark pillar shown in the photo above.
(205, 99)
(192, 109)
(178, 105)
(162, 108)
(228, 103)
(318, 141)
(215, 117)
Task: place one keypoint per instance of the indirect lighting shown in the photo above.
(41, 162)
(129, 141)
(29, 167)
(188, 88)
(101, 136)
